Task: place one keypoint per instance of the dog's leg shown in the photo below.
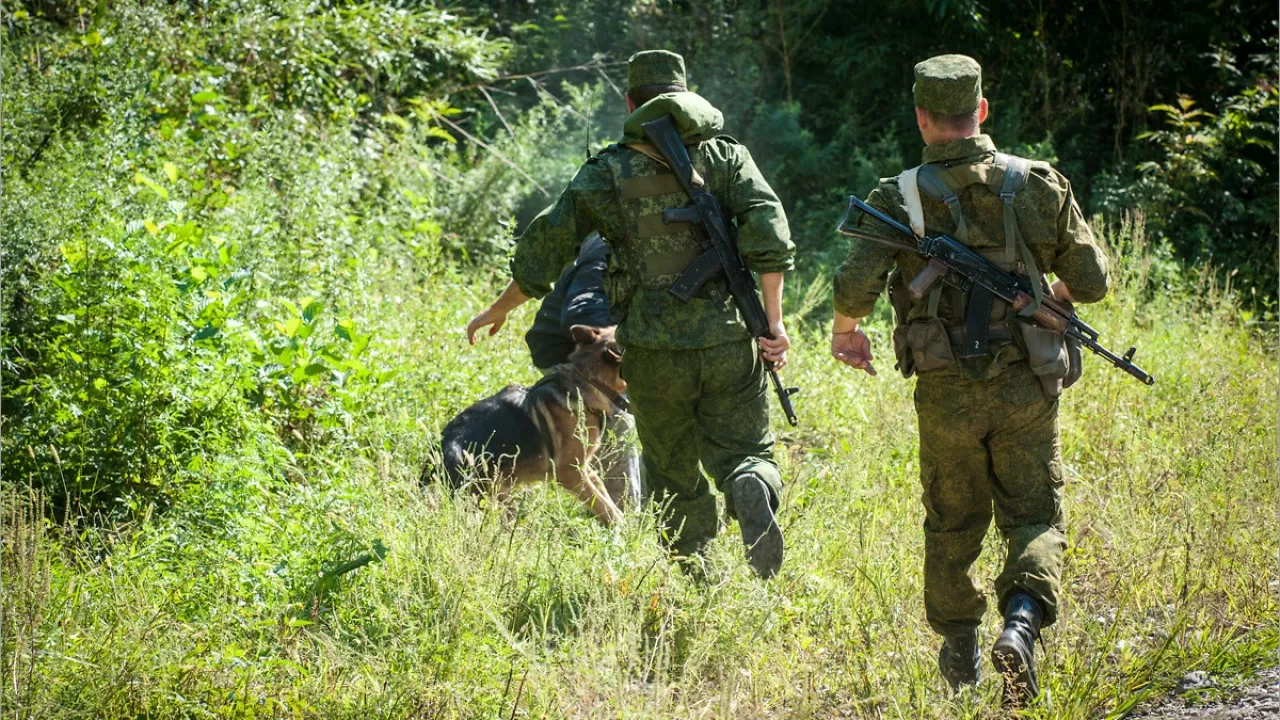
(573, 472)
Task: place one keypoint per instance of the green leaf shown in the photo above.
(172, 171)
(438, 132)
(315, 369)
(289, 328)
(68, 319)
(310, 309)
(204, 96)
(143, 180)
(205, 332)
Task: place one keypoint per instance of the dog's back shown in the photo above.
(495, 438)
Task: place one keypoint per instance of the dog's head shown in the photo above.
(598, 355)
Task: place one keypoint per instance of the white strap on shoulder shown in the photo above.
(909, 186)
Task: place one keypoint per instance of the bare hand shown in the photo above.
(491, 316)
(853, 349)
(774, 350)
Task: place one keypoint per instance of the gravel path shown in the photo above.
(1259, 701)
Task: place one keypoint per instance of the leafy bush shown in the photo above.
(201, 199)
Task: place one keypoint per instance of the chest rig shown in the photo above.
(652, 252)
(1006, 176)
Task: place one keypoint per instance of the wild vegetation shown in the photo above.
(239, 241)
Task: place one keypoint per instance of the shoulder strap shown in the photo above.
(909, 186)
(1015, 179)
(939, 184)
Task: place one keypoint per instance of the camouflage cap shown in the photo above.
(655, 67)
(948, 84)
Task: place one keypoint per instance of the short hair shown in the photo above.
(645, 93)
(954, 123)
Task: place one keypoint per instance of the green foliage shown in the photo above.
(1213, 186)
(198, 199)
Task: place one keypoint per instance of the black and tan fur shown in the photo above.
(552, 429)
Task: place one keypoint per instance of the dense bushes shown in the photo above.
(197, 203)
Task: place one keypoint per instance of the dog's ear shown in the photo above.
(613, 353)
(584, 334)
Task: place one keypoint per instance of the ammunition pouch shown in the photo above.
(927, 345)
(1048, 356)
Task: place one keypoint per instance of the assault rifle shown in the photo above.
(720, 252)
(957, 265)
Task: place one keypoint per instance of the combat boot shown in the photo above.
(1015, 652)
(960, 660)
(761, 534)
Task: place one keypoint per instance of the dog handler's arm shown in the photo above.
(496, 314)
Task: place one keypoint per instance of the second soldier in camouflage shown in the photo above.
(988, 422)
(695, 377)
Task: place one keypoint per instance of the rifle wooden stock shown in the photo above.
(1051, 313)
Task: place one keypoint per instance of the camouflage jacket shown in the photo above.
(1048, 217)
(621, 193)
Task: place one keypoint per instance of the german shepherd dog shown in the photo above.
(522, 435)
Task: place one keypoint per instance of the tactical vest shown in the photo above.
(652, 253)
(934, 346)
(1006, 177)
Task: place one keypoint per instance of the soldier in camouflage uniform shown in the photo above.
(988, 422)
(695, 377)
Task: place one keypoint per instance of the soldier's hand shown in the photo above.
(491, 317)
(853, 349)
(774, 350)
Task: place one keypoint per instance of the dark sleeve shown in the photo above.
(585, 300)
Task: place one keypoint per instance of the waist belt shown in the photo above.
(998, 332)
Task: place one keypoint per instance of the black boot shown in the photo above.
(960, 660)
(761, 534)
(1014, 653)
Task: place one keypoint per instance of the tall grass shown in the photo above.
(239, 599)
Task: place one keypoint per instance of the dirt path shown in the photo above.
(1259, 701)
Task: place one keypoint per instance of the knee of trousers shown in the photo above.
(956, 549)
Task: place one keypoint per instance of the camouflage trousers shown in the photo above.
(699, 410)
(988, 445)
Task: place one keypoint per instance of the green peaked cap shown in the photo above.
(948, 85)
(655, 67)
